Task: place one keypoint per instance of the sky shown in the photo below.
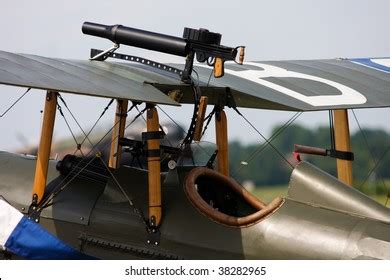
(270, 30)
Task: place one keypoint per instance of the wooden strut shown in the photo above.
(154, 176)
(200, 118)
(118, 132)
(342, 143)
(222, 142)
(42, 165)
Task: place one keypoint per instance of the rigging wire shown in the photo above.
(131, 203)
(49, 200)
(15, 102)
(375, 166)
(182, 129)
(368, 147)
(208, 81)
(96, 122)
(59, 108)
(265, 139)
(97, 153)
(197, 78)
(86, 136)
(208, 120)
(76, 121)
(262, 147)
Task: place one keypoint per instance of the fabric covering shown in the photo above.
(29, 240)
(295, 85)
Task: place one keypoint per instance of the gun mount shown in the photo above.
(203, 44)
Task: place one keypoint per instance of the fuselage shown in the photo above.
(95, 217)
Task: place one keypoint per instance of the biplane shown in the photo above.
(115, 210)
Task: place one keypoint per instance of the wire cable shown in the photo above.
(265, 139)
(131, 203)
(96, 122)
(52, 195)
(368, 147)
(59, 108)
(262, 147)
(76, 121)
(13, 104)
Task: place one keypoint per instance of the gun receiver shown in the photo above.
(203, 44)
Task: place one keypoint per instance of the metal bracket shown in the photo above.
(340, 154)
(34, 213)
(102, 55)
(153, 153)
(186, 76)
(226, 99)
(154, 234)
(150, 135)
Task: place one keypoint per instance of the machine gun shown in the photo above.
(200, 42)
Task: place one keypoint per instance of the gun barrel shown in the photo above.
(138, 38)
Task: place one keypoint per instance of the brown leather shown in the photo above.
(193, 195)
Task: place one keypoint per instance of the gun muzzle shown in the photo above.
(138, 38)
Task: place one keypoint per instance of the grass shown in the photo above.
(268, 193)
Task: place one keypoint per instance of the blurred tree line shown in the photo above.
(266, 167)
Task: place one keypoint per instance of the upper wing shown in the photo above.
(306, 85)
(82, 77)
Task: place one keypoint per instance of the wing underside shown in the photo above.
(306, 85)
(84, 77)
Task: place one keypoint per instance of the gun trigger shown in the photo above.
(218, 68)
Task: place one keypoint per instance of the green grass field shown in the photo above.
(267, 193)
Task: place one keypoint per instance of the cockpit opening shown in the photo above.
(223, 200)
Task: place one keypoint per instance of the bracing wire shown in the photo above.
(375, 166)
(93, 150)
(96, 122)
(265, 139)
(182, 129)
(368, 147)
(76, 121)
(262, 147)
(14, 103)
(59, 108)
(131, 203)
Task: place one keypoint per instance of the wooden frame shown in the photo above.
(44, 148)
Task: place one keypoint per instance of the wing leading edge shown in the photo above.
(80, 77)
